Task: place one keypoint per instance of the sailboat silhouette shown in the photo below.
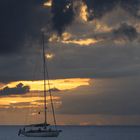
(44, 129)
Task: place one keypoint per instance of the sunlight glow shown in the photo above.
(48, 3)
(60, 84)
(55, 38)
(84, 12)
(66, 36)
(34, 98)
(31, 100)
(50, 56)
(82, 42)
(66, 39)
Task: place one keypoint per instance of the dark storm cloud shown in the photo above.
(108, 58)
(62, 15)
(100, 7)
(126, 30)
(17, 21)
(21, 20)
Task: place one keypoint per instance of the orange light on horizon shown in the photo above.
(35, 97)
(61, 84)
(32, 100)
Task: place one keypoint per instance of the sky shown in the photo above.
(92, 52)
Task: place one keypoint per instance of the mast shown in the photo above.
(44, 76)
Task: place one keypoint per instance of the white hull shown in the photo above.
(46, 133)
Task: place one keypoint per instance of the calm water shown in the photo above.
(80, 133)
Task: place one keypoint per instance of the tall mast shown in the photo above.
(44, 74)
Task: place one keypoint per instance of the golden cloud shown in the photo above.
(16, 99)
(84, 12)
(66, 38)
(83, 42)
(101, 27)
(61, 84)
(48, 3)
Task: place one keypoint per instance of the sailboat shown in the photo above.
(43, 129)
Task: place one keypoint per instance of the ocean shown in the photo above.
(79, 133)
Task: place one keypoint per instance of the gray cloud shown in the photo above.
(105, 96)
(102, 60)
(19, 20)
(62, 16)
(19, 89)
(126, 31)
(100, 7)
(96, 9)
(117, 55)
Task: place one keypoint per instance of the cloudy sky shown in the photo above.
(93, 51)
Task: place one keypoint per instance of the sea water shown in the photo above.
(79, 133)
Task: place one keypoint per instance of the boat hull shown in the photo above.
(41, 133)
